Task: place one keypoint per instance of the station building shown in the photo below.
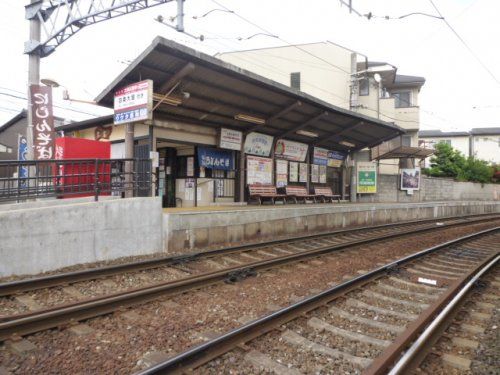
(218, 128)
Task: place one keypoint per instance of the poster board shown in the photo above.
(302, 172)
(290, 150)
(366, 173)
(230, 139)
(314, 173)
(258, 144)
(281, 173)
(259, 170)
(410, 179)
(294, 172)
(322, 174)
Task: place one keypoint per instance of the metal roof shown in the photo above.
(485, 131)
(22, 114)
(439, 133)
(218, 91)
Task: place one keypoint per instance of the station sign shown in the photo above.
(258, 144)
(290, 150)
(134, 103)
(43, 121)
(230, 139)
(213, 158)
(367, 177)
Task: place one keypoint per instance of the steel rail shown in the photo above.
(27, 323)
(417, 352)
(25, 285)
(209, 350)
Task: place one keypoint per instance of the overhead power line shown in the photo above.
(465, 44)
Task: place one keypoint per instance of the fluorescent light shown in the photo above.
(307, 133)
(171, 100)
(252, 119)
(348, 144)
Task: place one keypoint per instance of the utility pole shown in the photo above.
(33, 74)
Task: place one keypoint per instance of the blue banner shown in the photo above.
(22, 154)
(215, 159)
(337, 155)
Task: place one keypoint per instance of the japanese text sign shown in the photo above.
(134, 102)
(43, 121)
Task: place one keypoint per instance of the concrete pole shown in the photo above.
(354, 180)
(180, 15)
(129, 154)
(33, 79)
(242, 171)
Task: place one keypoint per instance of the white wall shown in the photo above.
(487, 147)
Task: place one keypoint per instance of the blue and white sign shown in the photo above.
(22, 153)
(131, 116)
(335, 158)
(215, 159)
(320, 156)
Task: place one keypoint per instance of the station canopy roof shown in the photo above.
(205, 90)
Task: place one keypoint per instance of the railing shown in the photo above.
(30, 179)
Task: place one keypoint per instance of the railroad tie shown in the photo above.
(437, 271)
(294, 338)
(379, 310)
(262, 361)
(422, 287)
(456, 361)
(429, 274)
(369, 322)
(321, 325)
(381, 297)
(251, 257)
(406, 292)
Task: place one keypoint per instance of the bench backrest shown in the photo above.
(262, 190)
(296, 190)
(323, 190)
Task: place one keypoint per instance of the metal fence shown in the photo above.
(29, 179)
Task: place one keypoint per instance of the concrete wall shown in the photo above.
(432, 189)
(185, 231)
(34, 240)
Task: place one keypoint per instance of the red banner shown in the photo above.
(43, 121)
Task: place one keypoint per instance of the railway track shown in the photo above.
(361, 325)
(29, 322)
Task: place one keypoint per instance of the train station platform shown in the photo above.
(187, 229)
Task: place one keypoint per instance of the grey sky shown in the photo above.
(459, 92)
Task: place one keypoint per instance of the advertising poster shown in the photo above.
(259, 170)
(322, 174)
(294, 172)
(302, 172)
(258, 144)
(315, 173)
(320, 156)
(281, 173)
(230, 139)
(367, 177)
(289, 150)
(22, 154)
(410, 179)
(335, 159)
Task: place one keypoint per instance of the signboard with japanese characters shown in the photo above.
(303, 172)
(314, 173)
(213, 158)
(230, 139)
(335, 159)
(290, 150)
(281, 173)
(259, 170)
(320, 156)
(322, 174)
(258, 144)
(43, 122)
(294, 172)
(367, 177)
(134, 103)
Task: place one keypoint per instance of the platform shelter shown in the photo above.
(218, 128)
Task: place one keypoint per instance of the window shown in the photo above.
(295, 80)
(364, 86)
(402, 99)
(406, 140)
(447, 141)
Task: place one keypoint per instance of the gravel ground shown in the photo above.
(118, 343)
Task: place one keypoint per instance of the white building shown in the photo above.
(344, 78)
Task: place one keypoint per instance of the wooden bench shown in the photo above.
(296, 193)
(260, 193)
(325, 194)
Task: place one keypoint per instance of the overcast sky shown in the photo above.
(459, 92)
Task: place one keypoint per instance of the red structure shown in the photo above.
(77, 175)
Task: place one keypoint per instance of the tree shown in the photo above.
(446, 162)
(476, 170)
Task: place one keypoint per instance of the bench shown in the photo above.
(260, 193)
(297, 193)
(325, 194)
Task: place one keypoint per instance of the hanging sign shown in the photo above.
(294, 172)
(259, 170)
(213, 158)
(230, 139)
(134, 102)
(43, 121)
(335, 159)
(290, 150)
(410, 179)
(302, 172)
(320, 156)
(258, 144)
(281, 173)
(367, 177)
